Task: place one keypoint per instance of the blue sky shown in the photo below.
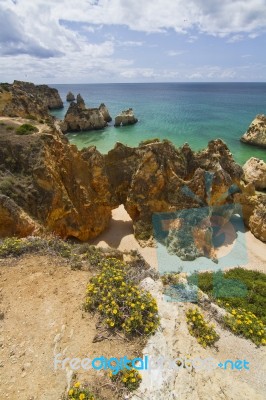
(92, 41)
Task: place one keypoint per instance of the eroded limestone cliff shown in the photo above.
(24, 99)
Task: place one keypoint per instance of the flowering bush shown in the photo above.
(245, 323)
(121, 304)
(199, 328)
(77, 392)
(131, 379)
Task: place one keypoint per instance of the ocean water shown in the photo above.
(181, 112)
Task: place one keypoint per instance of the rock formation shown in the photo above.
(24, 99)
(48, 182)
(45, 179)
(256, 133)
(257, 222)
(126, 117)
(105, 113)
(157, 177)
(79, 118)
(70, 97)
(255, 172)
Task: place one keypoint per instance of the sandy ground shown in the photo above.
(120, 236)
(42, 298)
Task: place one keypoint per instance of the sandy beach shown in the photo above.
(120, 236)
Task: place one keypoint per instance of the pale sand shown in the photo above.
(120, 236)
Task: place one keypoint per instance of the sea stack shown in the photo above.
(79, 118)
(256, 133)
(70, 97)
(126, 117)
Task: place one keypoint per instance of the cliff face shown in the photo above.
(157, 177)
(24, 99)
(79, 118)
(46, 182)
(256, 133)
(54, 184)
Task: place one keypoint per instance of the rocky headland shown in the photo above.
(256, 133)
(46, 183)
(24, 99)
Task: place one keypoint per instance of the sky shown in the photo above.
(109, 41)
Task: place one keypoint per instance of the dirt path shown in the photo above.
(42, 301)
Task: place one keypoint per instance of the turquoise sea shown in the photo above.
(181, 112)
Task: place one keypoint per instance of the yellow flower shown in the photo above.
(239, 322)
(115, 311)
(233, 312)
(71, 391)
(124, 379)
(77, 385)
(250, 331)
(112, 323)
(82, 396)
(133, 380)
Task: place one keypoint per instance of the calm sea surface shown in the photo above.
(181, 112)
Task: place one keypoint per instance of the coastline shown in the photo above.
(119, 235)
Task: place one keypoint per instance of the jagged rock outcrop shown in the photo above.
(81, 102)
(255, 172)
(157, 177)
(14, 221)
(126, 117)
(24, 99)
(72, 192)
(105, 113)
(64, 190)
(256, 133)
(257, 222)
(70, 97)
(79, 118)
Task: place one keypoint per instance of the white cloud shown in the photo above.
(133, 73)
(235, 38)
(212, 73)
(129, 43)
(173, 53)
(35, 41)
(192, 39)
(211, 16)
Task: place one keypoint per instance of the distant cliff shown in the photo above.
(24, 99)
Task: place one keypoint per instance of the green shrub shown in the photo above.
(170, 278)
(31, 117)
(121, 304)
(199, 328)
(15, 247)
(131, 379)
(253, 299)
(79, 392)
(245, 323)
(26, 129)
